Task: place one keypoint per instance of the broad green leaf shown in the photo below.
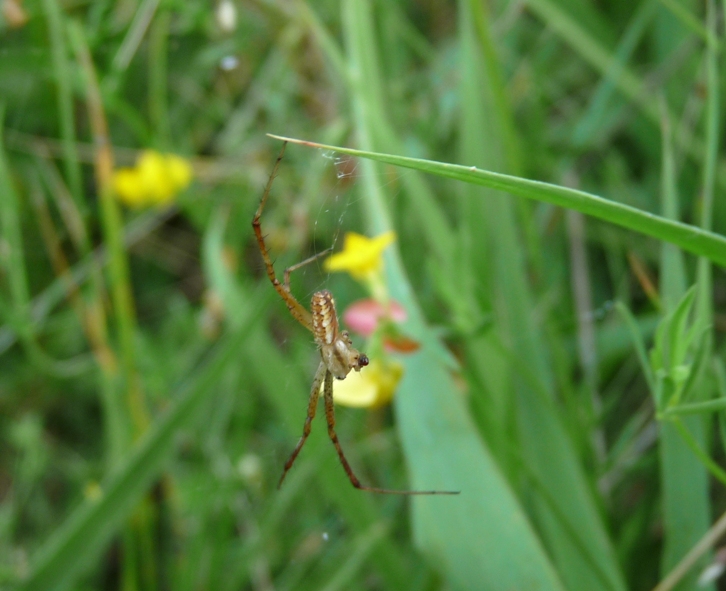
(480, 538)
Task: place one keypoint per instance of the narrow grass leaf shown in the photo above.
(639, 344)
(63, 77)
(689, 238)
(684, 481)
(87, 531)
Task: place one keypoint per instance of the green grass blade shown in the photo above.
(689, 238)
(704, 306)
(563, 505)
(684, 481)
(88, 530)
(596, 114)
(63, 77)
(489, 260)
(673, 282)
(442, 446)
(694, 408)
(638, 343)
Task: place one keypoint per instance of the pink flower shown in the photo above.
(364, 316)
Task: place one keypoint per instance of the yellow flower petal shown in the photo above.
(357, 390)
(374, 386)
(128, 187)
(360, 255)
(179, 170)
(153, 171)
(155, 180)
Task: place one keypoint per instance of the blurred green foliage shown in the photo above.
(152, 383)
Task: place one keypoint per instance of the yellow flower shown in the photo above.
(155, 180)
(372, 387)
(361, 256)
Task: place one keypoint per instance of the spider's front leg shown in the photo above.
(307, 261)
(296, 308)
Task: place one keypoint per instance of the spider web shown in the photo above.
(344, 201)
(341, 200)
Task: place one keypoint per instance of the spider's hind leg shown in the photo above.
(312, 407)
(330, 416)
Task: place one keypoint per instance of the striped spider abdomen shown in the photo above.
(336, 348)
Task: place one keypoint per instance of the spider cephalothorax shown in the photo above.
(339, 356)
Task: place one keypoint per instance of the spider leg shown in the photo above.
(296, 308)
(312, 407)
(330, 417)
(286, 281)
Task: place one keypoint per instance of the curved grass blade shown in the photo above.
(690, 238)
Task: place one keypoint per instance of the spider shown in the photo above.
(338, 356)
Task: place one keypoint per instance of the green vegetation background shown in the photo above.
(569, 382)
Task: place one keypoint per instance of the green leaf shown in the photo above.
(639, 344)
(679, 336)
(689, 238)
(481, 538)
(670, 360)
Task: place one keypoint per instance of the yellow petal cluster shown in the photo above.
(154, 181)
(361, 256)
(372, 387)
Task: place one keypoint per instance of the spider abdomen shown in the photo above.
(325, 317)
